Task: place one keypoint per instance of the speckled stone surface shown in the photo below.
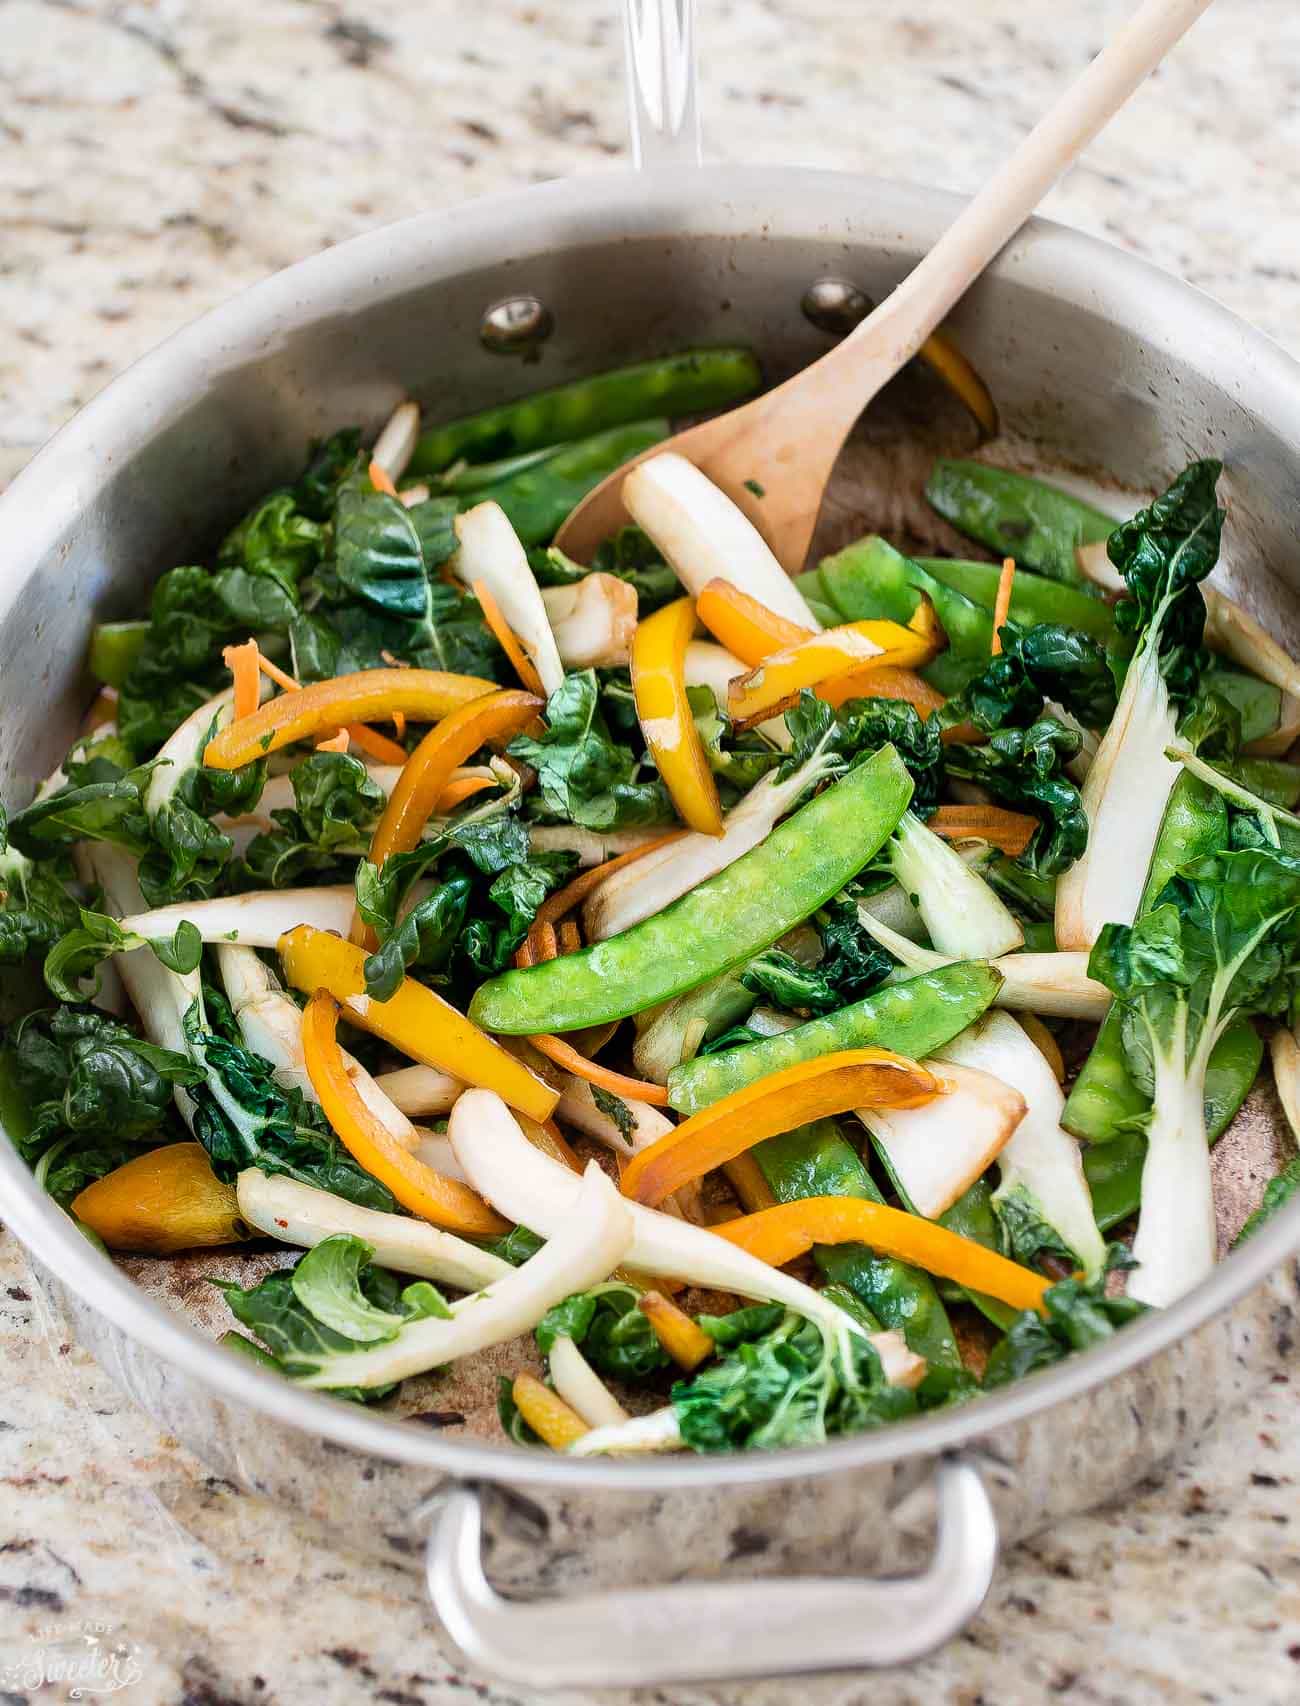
(156, 157)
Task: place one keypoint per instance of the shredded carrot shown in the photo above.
(1002, 603)
(547, 943)
(573, 894)
(336, 743)
(461, 789)
(241, 661)
(570, 938)
(507, 639)
(378, 746)
(1009, 831)
(381, 479)
(565, 1055)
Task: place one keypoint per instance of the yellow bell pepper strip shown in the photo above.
(749, 1182)
(745, 627)
(445, 1202)
(427, 772)
(684, 1341)
(166, 1200)
(368, 696)
(658, 663)
(778, 1235)
(547, 1136)
(415, 1020)
(242, 662)
(507, 639)
(1009, 831)
(855, 648)
(377, 746)
(1002, 603)
(811, 1090)
(942, 356)
(556, 1423)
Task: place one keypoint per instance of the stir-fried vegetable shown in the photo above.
(820, 858)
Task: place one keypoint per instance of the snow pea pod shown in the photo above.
(913, 1018)
(723, 921)
(670, 385)
(114, 647)
(1034, 598)
(972, 1216)
(817, 1160)
(1017, 516)
(870, 579)
(538, 498)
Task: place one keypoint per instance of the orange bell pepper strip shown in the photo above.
(556, 1423)
(812, 1090)
(658, 663)
(883, 683)
(684, 1340)
(463, 788)
(855, 648)
(744, 626)
(1007, 830)
(414, 1020)
(446, 1202)
(428, 770)
(778, 1235)
(379, 747)
(371, 695)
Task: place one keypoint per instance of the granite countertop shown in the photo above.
(158, 155)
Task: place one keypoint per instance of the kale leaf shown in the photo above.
(615, 1336)
(1078, 1316)
(584, 776)
(1024, 768)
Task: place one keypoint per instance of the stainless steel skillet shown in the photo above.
(1100, 365)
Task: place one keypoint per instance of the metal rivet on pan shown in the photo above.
(835, 305)
(517, 324)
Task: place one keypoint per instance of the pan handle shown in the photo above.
(663, 112)
(714, 1631)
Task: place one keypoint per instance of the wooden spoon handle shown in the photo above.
(894, 332)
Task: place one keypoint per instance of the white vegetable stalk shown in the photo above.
(936, 1152)
(962, 915)
(639, 1435)
(1234, 632)
(160, 997)
(1285, 1055)
(1095, 565)
(593, 846)
(714, 667)
(1056, 984)
(1177, 1238)
(1124, 796)
(1041, 1161)
(420, 1090)
(252, 920)
(271, 1025)
(303, 1215)
(648, 885)
(435, 1150)
(183, 750)
(588, 1243)
(395, 445)
(490, 551)
(527, 1186)
(593, 621)
(581, 1388)
(578, 1108)
(704, 536)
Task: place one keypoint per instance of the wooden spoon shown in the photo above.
(786, 441)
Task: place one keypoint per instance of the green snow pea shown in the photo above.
(1017, 516)
(1034, 598)
(912, 1018)
(817, 1160)
(870, 579)
(972, 1216)
(114, 647)
(1273, 779)
(669, 385)
(719, 924)
(538, 498)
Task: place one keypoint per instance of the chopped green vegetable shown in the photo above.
(1017, 516)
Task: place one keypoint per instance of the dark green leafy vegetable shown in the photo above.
(629, 555)
(1078, 1317)
(1047, 661)
(614, 1335)
(336, 806)
(852, 964)
(799, 1384)
(1024, 769)
(584, 776)
(35, 905)
(538, 499)
(276, 540)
